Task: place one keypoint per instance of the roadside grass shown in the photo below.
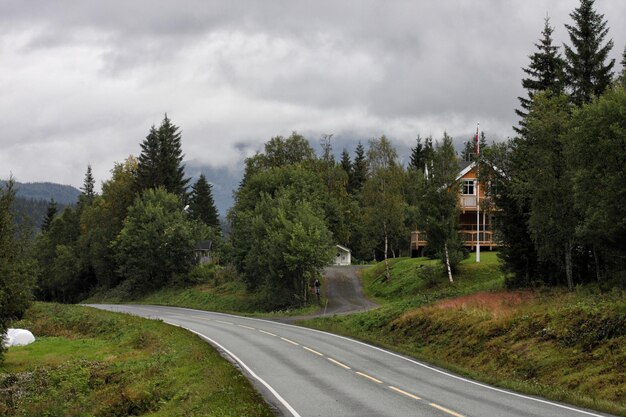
(226, 296)
(88, 362)
(564, 346)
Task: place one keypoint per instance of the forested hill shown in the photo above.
(62, 194)
(32, 200)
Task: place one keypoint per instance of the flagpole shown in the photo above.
(477, 198)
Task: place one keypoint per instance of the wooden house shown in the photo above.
(475, 213)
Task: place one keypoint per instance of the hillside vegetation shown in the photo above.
(96, 363)
(565, 346)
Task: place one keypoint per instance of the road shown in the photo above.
(304, 372)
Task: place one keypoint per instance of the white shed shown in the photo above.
(343, 256)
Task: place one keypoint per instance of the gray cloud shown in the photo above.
(82, 82)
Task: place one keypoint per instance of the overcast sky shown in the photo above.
(82, 82)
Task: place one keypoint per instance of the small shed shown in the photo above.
(343, 256)
(203, 251)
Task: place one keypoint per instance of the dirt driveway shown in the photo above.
(343, 291)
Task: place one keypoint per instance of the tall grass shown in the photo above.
(88, 362)
(565, 346)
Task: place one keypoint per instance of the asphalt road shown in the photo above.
(304, 372)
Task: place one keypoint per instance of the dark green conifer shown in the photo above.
(51, 212)
(587, 74)
(160, 161)
(201, 203)
(545, 71)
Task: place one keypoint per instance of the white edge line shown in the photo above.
(469, 381)
(243, 365)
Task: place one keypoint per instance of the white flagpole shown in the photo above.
(477, 199)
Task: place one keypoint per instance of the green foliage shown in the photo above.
(596, 150)
(201, 203)
(156, 242)
(89, 362)
(383, 201)
(51, 212)
(588, 74)
(17, 270)
(160, 161)
(436, 199)
(287, 245)
(546, 179)
(545, 71)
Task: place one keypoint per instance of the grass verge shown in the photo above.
(569, 347)
(228, 296)
(88, 362)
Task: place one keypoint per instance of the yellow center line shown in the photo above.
(224, 322)
(263, 331)
(398, 390)
(371, 378)
(290, 341)
(445, 410)
(246, 327)
(339, 363)
(313, 351)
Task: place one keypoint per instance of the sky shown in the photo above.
(82, 82)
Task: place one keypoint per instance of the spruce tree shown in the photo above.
(545, 71)
(171, 156)
(88, 188)
(148, 173)
(160, 161)
(345, 162)
(359, 169)
(417, 155)
(201, 203)
(51, 211)
(587, 73)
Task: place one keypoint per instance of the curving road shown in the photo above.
(304, 372)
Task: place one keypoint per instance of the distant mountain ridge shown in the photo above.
(62, 194)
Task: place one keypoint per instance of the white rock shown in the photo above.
(18, 337)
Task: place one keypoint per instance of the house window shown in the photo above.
(467, 187)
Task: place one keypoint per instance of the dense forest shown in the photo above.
(558, 186)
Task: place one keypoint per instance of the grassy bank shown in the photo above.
(219, 293)
(566, 346)
(96, 363)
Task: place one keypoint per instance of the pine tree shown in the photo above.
(201, 203)
(160, 161)
(50, 213)
(171, 156)
(359, 169)
(148, 173)
(345, 162)
(587, 73)
(416, 160)
(88, 188)
(545, 71)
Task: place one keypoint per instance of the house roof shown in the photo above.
(464, 168)
(343, 248)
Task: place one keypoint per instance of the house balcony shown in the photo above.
(469, 237)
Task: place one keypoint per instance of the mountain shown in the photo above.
(31, 200)
(62, 194)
